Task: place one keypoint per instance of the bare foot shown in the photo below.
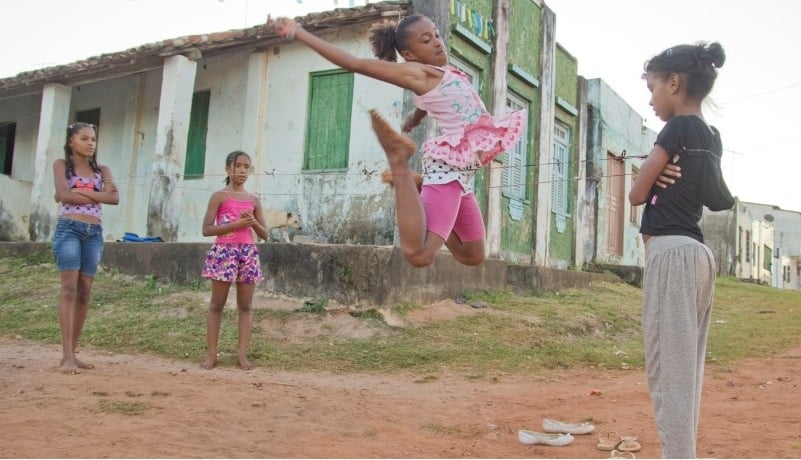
(244, 364)
(69, 367)
(398, 147)
(83, 365)
(386, 177)
(209, 363)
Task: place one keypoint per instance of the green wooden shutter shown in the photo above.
(7, 134)
(195, 163)
(328, 125)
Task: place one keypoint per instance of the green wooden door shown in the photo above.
(328, 126)
(196, 138)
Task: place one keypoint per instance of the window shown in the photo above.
(560, 176)
(8, 131)
(739, 243)
(514, 177)
(748, 246)
(91, 116)
(615, 185)
(767, 258)
(195, 163)
(328, 128)
(634, 212)
(560, 170)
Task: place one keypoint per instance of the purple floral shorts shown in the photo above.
(233, 263)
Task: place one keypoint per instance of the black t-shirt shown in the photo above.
(696, 148)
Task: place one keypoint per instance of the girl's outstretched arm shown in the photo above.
(650, 170)
(408, 75)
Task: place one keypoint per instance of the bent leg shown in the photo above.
(470, 253)
(466, 242)
(419, 246)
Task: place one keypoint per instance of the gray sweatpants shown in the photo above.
(678, 286)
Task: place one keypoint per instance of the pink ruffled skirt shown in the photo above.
(480, 142)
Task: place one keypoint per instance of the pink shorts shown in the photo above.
(448, 209)
(233, 263)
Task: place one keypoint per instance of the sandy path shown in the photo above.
(189, 412)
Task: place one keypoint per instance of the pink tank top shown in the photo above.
(89, 183)
(228, 212)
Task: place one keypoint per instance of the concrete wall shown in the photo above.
(349, 274)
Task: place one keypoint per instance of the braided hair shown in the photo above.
(696, 64)
(73, 129)
(389, 37)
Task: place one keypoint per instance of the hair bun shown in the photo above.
(714, 54)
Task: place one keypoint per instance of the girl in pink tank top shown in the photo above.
(232, 216)
(445, 211)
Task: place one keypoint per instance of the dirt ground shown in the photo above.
(147, 407)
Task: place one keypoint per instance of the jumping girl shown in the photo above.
(445, 211)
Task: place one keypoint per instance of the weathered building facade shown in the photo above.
(617, 142)
(169, 113)
(756, 242)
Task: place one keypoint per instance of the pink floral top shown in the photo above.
(470, 136)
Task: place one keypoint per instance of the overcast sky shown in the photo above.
(757, 94)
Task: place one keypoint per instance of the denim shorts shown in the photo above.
(77, 246)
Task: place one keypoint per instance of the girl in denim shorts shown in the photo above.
(232, 216)
(81, 187)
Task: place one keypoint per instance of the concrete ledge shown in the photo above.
(628, 273)
(349, 274)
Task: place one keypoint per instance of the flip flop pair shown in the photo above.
(610, 441)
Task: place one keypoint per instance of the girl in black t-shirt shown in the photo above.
(679, 275)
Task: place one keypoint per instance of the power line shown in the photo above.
(763, 93)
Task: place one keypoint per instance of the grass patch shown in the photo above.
(593, 327)
(122, 407)
(445, 430)
(314, 306)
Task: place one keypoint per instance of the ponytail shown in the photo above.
(388, 38)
